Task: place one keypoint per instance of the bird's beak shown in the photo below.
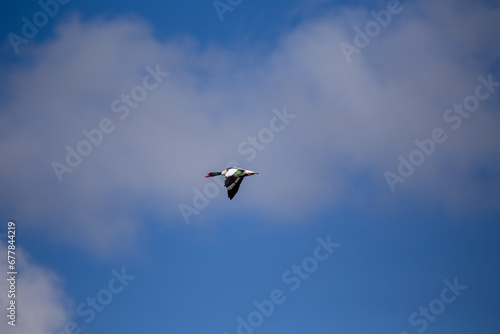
(208, 175)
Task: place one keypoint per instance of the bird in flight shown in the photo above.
(234, 176)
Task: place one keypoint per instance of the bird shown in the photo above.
(234, 177)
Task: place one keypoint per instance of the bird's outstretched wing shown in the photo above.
(232, 183)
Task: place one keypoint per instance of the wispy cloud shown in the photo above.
(42, 305)
(353, 119)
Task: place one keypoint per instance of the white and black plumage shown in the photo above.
(234, 177)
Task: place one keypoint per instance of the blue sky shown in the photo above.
(374, 127)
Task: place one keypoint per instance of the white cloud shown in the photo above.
(350, 118)
(41, 304)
